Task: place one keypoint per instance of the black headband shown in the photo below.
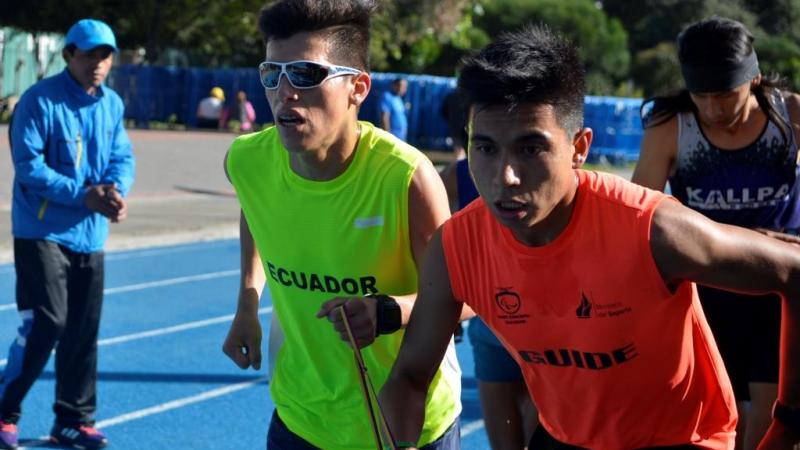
(720, 78)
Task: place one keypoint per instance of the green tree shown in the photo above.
(410, 35)
(656, 70)
(778, 17)
(780, 55)
(602, 40)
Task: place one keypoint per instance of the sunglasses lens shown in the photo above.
(306, 74)
(270, 75)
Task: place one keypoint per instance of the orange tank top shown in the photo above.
(612, 358)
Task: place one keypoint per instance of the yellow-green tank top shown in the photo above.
(323, 239)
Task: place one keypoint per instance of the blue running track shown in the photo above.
(163, 380)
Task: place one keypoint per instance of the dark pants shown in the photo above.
(59, 297)
(279, 437)
(542, 440)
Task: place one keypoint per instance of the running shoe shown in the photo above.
(9, 436)
(83, 437)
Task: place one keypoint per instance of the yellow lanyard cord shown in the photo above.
(369, 391)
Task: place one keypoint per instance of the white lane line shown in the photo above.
(153, 284)
(179, 403)
(171, 281)
(167, 330)
(471, 427)
(130, 254)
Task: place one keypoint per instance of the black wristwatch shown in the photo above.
(788, 416)
(388, 315)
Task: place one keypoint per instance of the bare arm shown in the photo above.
(243, 342)
(688, 246)
(427, 336)
(793, 105)
(427, 210)
(385, 121)
(657, 155)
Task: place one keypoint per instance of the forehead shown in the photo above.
(101, 51)
(305, 45)
(500, 124)
(737, 90)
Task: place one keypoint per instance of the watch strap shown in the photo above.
(388, 316)
(788, 416)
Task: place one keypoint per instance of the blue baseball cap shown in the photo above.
(87, 34)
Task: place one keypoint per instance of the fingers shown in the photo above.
(359, 317)
(254, 356)
(237, 354)
(243, 355)
(326, 308)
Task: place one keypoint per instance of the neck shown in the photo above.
(89, 89)
(331, 160)
(745, 118)
(555, 220)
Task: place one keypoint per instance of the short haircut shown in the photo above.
(343, 23)
(531, 65)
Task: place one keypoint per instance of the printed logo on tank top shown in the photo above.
(509, 303)
(734, 199)
(587, 309)
(581, 359)
(308, 281)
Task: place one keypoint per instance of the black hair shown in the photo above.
(715, 41)
(531, 65)
(345, 24)
(70, 48)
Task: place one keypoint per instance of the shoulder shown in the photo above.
(662, 139)
(112, 98)
(387, 148)
(793, 106)
(44, 91)
(246, 147)
(668, 128)
(615, 191)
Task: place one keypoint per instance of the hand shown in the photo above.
(361, 314)
(243, 342)
(117, 201)
(779, 437)
(106, 200)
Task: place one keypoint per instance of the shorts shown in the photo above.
(493, 363)
(747, 331)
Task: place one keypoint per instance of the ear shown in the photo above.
(361, 85)
(66, 55)
(755, 81)
(581, 143)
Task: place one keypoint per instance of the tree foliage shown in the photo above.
(627, 46)
(602, 40)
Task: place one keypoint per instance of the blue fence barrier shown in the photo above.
(172, 94)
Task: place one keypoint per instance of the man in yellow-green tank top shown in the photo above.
(334, 212)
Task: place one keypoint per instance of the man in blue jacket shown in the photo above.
(73, 167)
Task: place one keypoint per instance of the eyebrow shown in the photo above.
(536, 136)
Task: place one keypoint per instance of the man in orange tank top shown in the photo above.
(588, 280)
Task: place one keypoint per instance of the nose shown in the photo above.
(285, 89)
(509, 174)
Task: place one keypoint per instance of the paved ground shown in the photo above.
(180, 195)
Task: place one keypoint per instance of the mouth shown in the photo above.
(510, 209)
(289, 119)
